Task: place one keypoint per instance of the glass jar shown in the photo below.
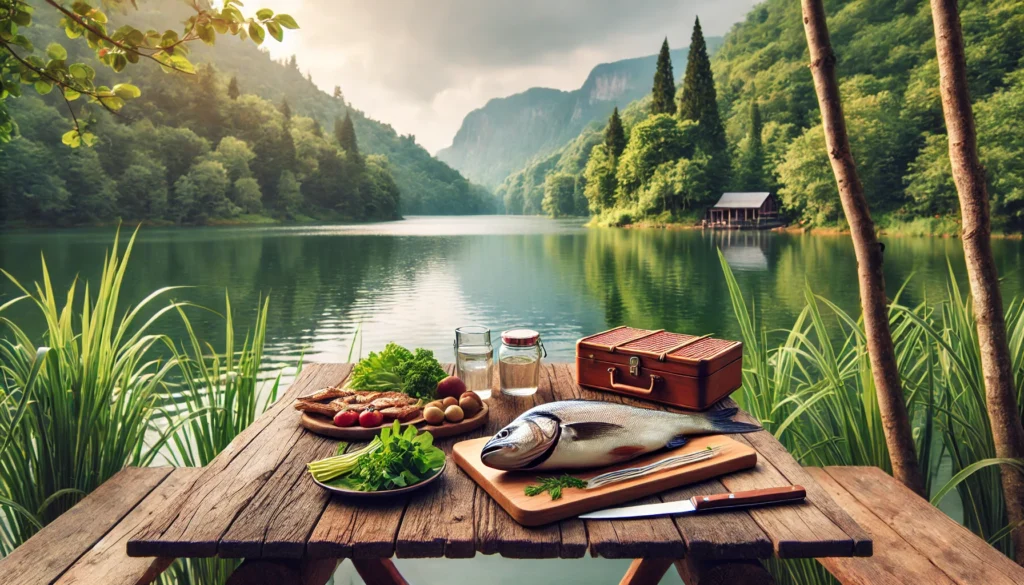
(519, 361)
(474, 359)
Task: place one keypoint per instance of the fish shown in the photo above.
(577, 434)
(325, 394)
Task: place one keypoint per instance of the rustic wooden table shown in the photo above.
(255, 501)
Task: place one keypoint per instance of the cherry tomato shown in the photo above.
(370, 418)
(346, 418)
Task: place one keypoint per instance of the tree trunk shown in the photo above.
(969, 175)
(891, 405)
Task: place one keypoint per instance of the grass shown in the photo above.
(108, 392)
(811, 386)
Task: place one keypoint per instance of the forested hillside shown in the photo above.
(507, 133)
(766, 103)
(242, 139)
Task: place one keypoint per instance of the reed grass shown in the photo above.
(811, 386)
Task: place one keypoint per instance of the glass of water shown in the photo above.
(474, 358)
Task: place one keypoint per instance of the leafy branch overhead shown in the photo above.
(22, 64)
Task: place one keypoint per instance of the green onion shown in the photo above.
(331, 467)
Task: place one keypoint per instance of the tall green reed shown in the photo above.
(92, 401)
(811, 386)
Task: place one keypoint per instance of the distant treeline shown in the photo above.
(671, 169)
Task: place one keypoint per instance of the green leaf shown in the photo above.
(81, 72)
(275, 31)
(43, 87)
(256, 32)
(22, 41)
(71, 95)
(264, 13)
(286, 21)
(22, 18)
(88, 138)
(970, 470)
(126, 91)
(55, 51)
(72, 138)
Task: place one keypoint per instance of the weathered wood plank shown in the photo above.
(438, 522)
(895, 561)
(956, 551)
(107, 563)
(357, 529)
(52, 550)
(722, 535)
(769, 448)
(193, 526)
(733, 572)
(496, 531)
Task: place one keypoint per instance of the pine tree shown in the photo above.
(285, 110)
(345, 132)
(293, 63)
(337, 94)
(751, 169)
(699, 103)
(233, 92)
(664, 91)
(614, 135)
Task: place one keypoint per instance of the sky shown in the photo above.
(422, 65)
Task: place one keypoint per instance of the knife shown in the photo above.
(697, 504)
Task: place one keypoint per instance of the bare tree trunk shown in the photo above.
(891, 405)
(969, 175)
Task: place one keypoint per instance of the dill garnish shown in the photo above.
(554, 485)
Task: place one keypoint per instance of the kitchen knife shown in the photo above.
(696, 504)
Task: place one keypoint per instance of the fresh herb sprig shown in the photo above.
(403, 458)
(554, 485)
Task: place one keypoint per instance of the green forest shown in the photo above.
(242, 139)
(680, 154)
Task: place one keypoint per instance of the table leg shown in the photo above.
(748, 572)
(283, 572)
(379, 572)
(647, 572)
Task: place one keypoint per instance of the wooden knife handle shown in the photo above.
(793, 493)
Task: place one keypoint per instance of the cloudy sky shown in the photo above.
(422, 65)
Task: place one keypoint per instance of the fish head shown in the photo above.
(525, 442)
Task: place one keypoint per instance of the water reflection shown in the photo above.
(415, 281)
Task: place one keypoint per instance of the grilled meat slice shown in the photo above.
(327, 410)
(402, 413)
(328, 393)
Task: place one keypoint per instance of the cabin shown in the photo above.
(744, 211)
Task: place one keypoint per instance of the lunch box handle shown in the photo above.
(631, 389)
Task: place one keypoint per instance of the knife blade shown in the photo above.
(696, 504)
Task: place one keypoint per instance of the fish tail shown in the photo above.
(722, 414)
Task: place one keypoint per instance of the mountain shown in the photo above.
(502, 136)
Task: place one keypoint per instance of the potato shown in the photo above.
(436, 404)
(470, 405)
(454, 414)
(433, 415)
(450, 401)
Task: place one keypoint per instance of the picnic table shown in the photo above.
(255, 501)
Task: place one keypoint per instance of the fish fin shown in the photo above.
(585, 431)
(677, 441)
(628, 450)
(732, 426)
(725, 413)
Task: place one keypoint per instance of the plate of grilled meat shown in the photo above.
(343, 413)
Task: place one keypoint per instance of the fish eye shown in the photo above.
(503, 433)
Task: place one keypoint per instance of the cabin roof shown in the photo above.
(742, 200)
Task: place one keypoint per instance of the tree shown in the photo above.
(969, 176)
(247, 196)
(599, 176)
(615, 135)
(751, 169)
(233, 92)
(338, 95)
(888, 387)
(286, 110)
(345, 133)
(699, 103)
(656, 140)
(293, 63)
(663, 94)
(559, 189)
(289, 193)
(142, 190)
(74, 80)
(235, 155)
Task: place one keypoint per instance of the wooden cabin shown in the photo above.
(744, 211)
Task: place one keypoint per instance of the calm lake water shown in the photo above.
(415, 281)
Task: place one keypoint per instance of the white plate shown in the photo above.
(383, 493)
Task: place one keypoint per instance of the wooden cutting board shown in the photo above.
(506, 487)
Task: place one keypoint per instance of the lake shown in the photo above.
(416, 280)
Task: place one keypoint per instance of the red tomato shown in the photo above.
(346, 418)
(370, 418)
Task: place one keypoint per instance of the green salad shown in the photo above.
(396, 368)
(395, 459)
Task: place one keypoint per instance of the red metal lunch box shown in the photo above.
(672, 368)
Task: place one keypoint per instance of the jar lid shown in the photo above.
(520, 337)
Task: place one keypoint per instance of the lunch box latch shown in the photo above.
(634, 366)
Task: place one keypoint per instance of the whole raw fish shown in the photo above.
(581, 433)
